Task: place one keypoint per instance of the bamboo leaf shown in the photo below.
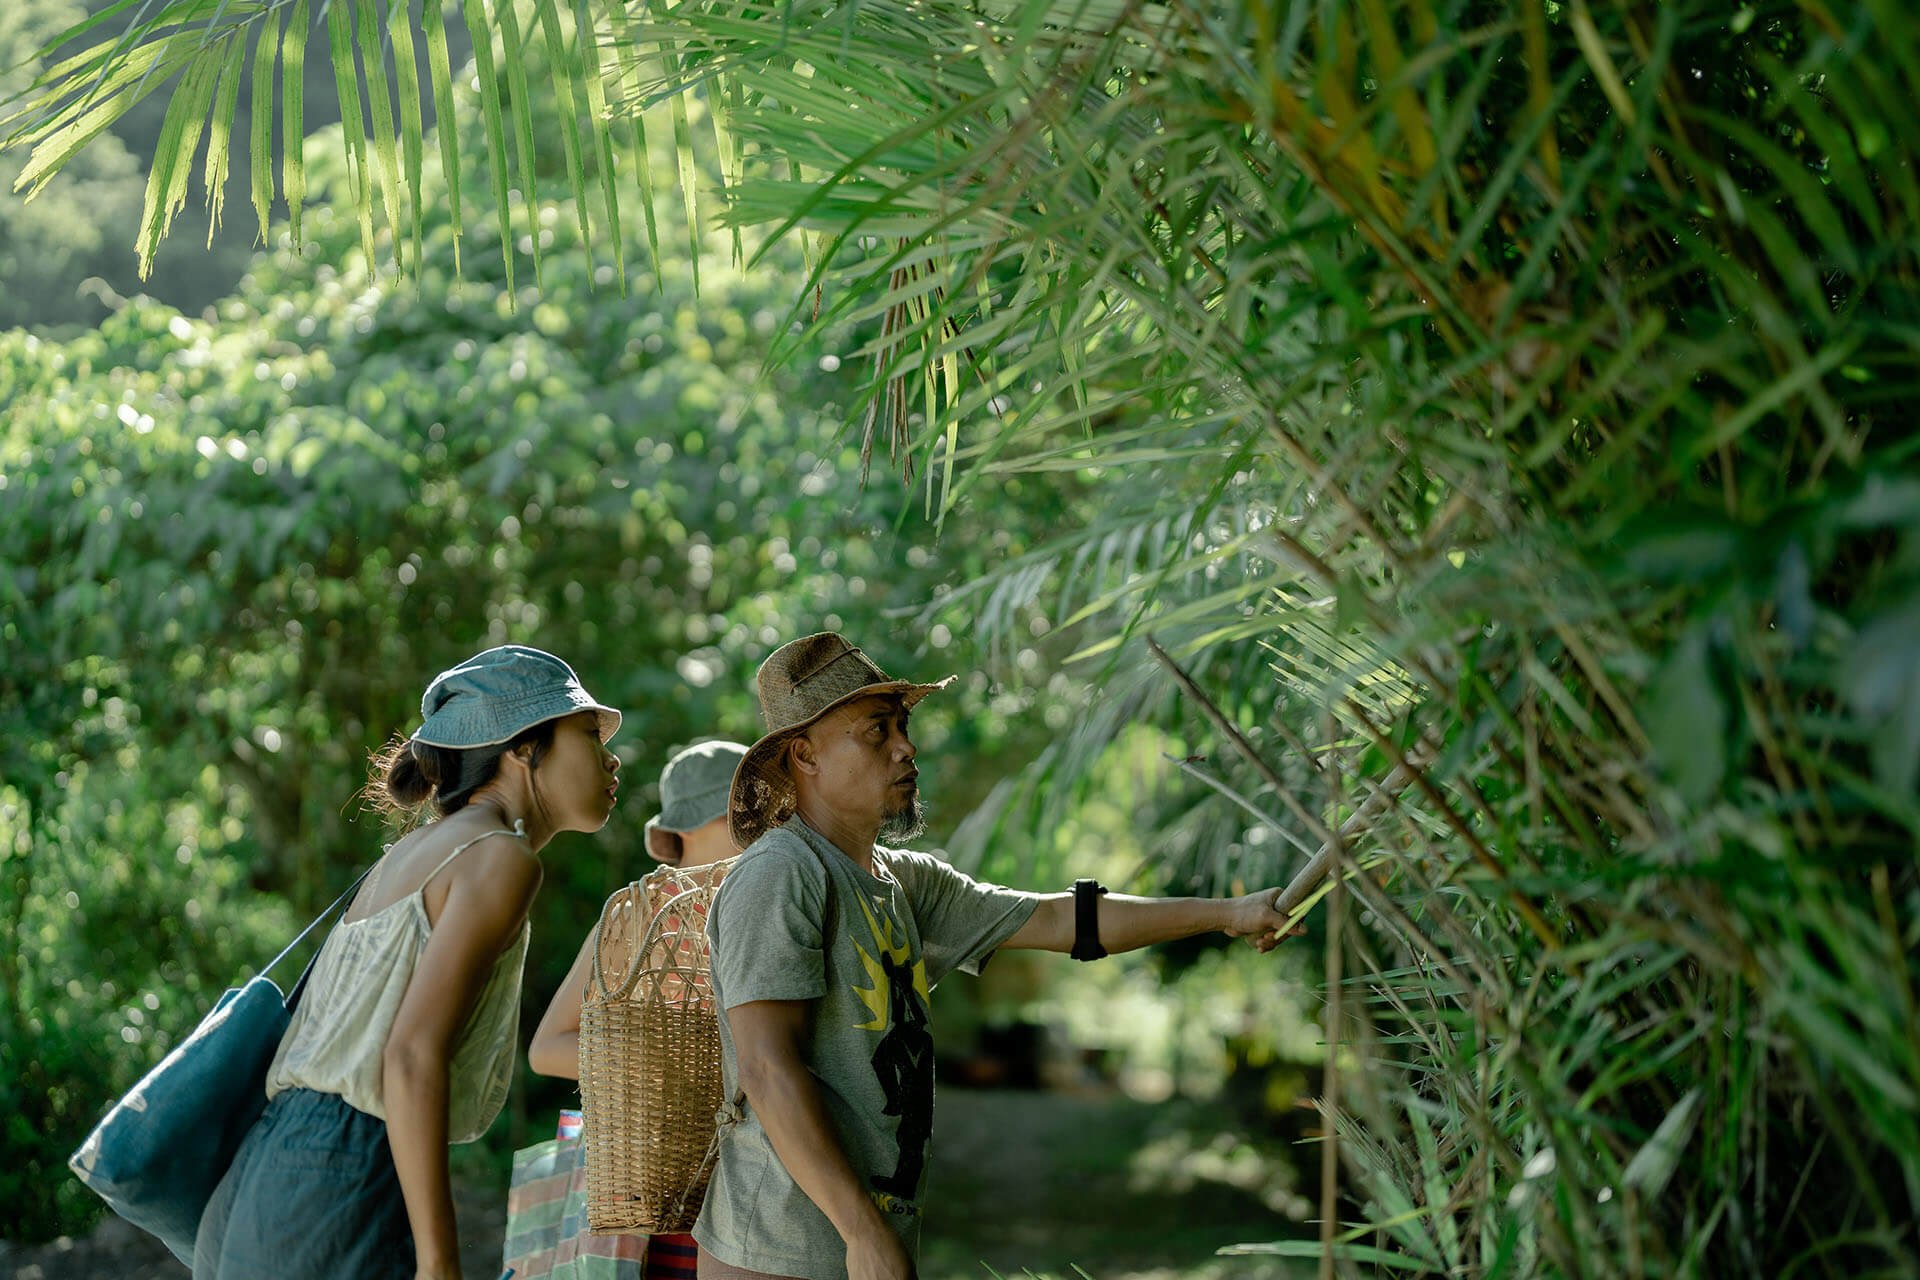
(600, 129)
(293, 136)
(629, 58)
(447, 127)
(56, 143)
(683, 154)
(406, 73)
(346, 82)
(1802, 379)
(565, 69)
(1533, 21)
(513, 54)
(105, 14)
(1396, 84)
(724, 145)
(220, 138)
(1843, 167)
(1594, 49)
(1493, 196)
(1360, 1253)
(386, 146)
(1652, 1167)
(109, 65)
(173, 155)
(496, 132)
(260, 149)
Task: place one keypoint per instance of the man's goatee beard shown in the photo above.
(905, 823)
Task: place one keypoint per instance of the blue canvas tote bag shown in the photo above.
(158, 1154)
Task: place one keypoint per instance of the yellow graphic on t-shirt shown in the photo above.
(894, 949)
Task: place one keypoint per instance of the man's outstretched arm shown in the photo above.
(767, 1039)
(1127, 922)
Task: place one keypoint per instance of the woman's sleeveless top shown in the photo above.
(339, 1031)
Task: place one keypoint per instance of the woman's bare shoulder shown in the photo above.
(488, 852)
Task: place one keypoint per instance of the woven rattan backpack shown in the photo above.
(650, 1054)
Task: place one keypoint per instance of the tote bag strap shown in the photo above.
(293, 997)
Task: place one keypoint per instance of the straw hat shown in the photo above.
(800, 682)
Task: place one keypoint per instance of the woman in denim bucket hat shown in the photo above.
(690, 831)
(404, 1041)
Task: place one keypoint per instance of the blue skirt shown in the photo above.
(312, 1195)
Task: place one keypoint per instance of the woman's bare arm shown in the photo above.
(555, 1050)
(481, 915)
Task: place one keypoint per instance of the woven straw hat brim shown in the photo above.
(763, 796)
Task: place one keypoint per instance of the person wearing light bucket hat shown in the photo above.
(694, 791)
(689, 838)
(405, 1038)
(825, 945)
(500, 692)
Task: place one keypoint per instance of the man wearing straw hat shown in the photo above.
(825, 945)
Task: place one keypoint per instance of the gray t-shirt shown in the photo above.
(799, 920)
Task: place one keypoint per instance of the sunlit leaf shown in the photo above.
(260, 139)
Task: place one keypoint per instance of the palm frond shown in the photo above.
(589, 50)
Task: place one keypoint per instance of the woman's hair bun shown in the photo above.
(406, 775)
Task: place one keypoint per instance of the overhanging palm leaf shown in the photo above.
(201, 49)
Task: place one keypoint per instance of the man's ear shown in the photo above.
(800, 755)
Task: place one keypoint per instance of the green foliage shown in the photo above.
(1503, 410)
(83, 218)
(237, 548)
(128, 904)
(68, 254)
(97, 73)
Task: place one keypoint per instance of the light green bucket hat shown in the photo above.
(499, 692)
(693, 792)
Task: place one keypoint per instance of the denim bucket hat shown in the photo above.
(693, 792)
(494, 695)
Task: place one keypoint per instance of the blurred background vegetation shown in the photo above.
(1502, 414)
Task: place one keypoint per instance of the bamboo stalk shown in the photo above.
(1330, 1074)
(1528, 912)
(1321, 864)
(1240, 743)
(1380, 796)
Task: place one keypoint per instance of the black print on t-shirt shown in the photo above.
(903, 1062)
